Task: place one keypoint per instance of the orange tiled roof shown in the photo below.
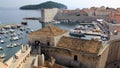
(49, 31)
(88, 46)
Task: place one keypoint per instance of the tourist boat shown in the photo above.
(2, 41)
(77, 31)
(2, 55)
(1, 48)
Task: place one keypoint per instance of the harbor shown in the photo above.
(50, 35)
(11, 39)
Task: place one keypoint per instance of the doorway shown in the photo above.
(75, 58)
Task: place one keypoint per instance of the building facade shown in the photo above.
(48, 14)
(79, 53)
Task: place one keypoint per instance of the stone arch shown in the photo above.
(113, 53)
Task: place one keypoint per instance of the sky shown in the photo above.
(71, 4)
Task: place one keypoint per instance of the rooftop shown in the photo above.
(49, 31)
(87, 46)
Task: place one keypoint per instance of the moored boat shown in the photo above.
(10, 46)
(2, 41)
(1, 48)
(2, 55)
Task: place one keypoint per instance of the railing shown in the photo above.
(20, 59)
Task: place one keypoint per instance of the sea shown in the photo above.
(15, 16)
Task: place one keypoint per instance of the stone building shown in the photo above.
(48, 14)
(75, 52)
(114, 17)
(78, 53)
(49, 35)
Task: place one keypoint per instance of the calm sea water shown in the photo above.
(10, 16)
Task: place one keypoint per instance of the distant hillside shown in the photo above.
(48, 4)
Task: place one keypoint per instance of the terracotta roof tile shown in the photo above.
(88, 46)
(49, 31)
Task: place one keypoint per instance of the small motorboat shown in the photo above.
(2, 55)
(11, 30)
(1, 48)
(14, 44)
(28, 28)
(10, 46)
(31, 30)
(14, 38)
(2, 41)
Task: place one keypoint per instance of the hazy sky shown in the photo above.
(70, 3)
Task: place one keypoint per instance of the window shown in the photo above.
(75, 57)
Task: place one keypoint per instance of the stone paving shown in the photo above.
(29, 62)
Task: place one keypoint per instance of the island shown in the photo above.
(45, 5)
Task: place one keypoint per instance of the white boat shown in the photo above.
(13, 34)
(14, 38)
(2, 55)
(10, 46)
(11, 30)
(1, 41)
(31, 30)
(14, 44)
(1, 48)
(28, 28)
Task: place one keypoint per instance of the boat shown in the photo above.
(1, 32)
(14, 44)
(7, 27)
(10, 46)
(31, 30)
(76, 33)
(1, 41)
(24, 22)
(1, 48)
(2, 55)
(86, 29)
(28, 28)
(14, 38)
(13, 34)
(11, 30)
